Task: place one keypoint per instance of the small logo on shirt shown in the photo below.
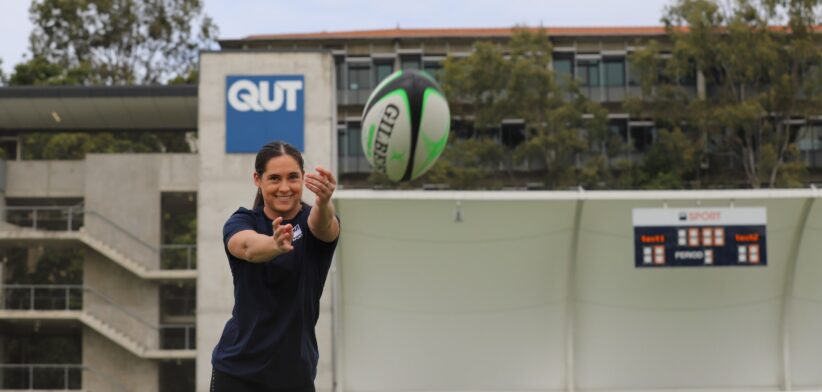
(297, 233)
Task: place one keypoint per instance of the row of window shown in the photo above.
(510, 134)
(638, 134)
(357, 74)
(364, 73)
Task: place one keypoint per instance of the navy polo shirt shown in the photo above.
(270, 337)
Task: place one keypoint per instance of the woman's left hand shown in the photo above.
(322, 183)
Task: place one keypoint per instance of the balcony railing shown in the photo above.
(70, 297)
(72, 218)
(178, 337)
(42, 297)
(353, 97)
(30, 376)
(178, 257)
(51, 377)
(69, 218)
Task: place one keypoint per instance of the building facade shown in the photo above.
(597, 58)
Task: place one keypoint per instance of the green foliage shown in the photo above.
(758, 77)
(115, 42)
(671, 161)
(3, 78)
(69, 146)
(41, 265)
(39, 71)
(496, 83)
(179, 218)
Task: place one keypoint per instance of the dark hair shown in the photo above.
(273, 150)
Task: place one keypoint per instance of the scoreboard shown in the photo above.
(691, 237)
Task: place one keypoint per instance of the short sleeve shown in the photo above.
(325, 249)
(241, 220)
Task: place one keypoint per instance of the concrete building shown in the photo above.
(137, 311)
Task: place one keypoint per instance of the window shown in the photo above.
(410, 61)
(382, 69)
(513, 134)
(588, 73)
(339, 69)
(689, 78)
(810, 144)
(358, 76)
(342, 134)
(642, 136)
(615, 72)
(8, 148)
(177, 376)
(433, 68)
(563, 67)
(349, 144)
(178, 301)
(178, 233)
(619, 128)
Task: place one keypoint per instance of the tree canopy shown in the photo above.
(760, 60)
(114, 42)
(516, 83)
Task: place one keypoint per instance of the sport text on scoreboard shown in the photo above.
(698, 237)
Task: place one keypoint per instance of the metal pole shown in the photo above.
(188, 252)
(70, 215)
(31, 299)
(31, 377)
(67, 298)
(34, 218)
(65, 378)
(186, 345)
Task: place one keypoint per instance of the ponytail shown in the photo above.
(258, 200)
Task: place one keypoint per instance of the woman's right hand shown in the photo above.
(283, 235)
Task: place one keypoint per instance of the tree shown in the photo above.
(76, 145)
(118, 42)
(39, 71)
(493, 84)
(761, 65)
(3, 80)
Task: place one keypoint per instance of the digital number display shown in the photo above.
(690, 237)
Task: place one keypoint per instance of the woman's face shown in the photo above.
(281, 185)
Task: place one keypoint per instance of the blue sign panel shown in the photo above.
(260, 109)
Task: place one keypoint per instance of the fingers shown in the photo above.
(327, 174)
(283, 235)
(322, 183)
(317, 184)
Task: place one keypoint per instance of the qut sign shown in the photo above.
(260, 109)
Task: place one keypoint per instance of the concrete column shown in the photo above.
(225, 181)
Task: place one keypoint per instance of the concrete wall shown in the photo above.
(112, 365)
(136, 296)
(226, 181)
(179, 172)
(122, 199)
(45, 179)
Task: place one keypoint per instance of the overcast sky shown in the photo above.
(240, 18)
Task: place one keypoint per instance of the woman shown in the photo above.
(279, 253)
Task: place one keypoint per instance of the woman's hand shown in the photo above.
(283, 235)
(322, 184)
